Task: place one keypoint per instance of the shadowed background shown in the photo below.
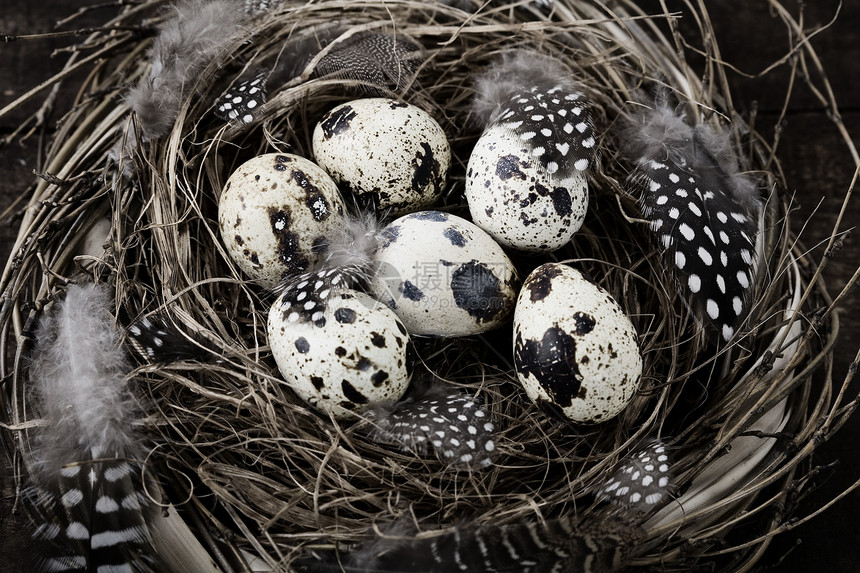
(816, 163)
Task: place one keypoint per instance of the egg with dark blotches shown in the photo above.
(443, 276)
(275, 214)
(390, 154)
(519, 202)
(357, 356)
(574, 347)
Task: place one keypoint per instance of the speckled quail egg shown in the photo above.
(574, 348)
(275, 213)
(514, 198)
(443, 276)
(390, 154)
(357, 356)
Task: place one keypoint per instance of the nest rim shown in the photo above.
(187, 171)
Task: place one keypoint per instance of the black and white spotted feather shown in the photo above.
(347, 262)
(377, 62)
(241, 101)
(244, 99)
(88, 460)
(642, 480)
(161, 342)
(536, 97)
(601, 545)
(452, 423)
(702, 210)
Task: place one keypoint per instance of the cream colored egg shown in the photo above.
(391, 154)
(360, 356)
(574, 347)
(275, 213)
(516, 200)
(443, 276)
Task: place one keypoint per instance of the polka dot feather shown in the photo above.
(160, 342)
(241, 101)
(378, 61)
(451, 423)
(303, 297)
(345, 264)
(642, 480)
(703, 214)
(556, 123)
(534, 96)
(707, 239)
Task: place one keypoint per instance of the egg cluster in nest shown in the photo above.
(427, 265)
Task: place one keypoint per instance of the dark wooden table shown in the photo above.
(816, 163)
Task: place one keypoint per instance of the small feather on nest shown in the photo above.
(660, 132)
(160, 341)
(535, 97)
(642, 480)
(451, 422)
(197, 31)
(88, 454)
(347, 263)
(566, 543)
(77, 372)
(505, 78)
(376, 61)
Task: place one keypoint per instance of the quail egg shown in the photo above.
(357, 356)
(390, 154)
(574, 347)
(275, 213)
(514, 198)
(443, 276)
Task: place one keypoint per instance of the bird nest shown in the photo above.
(259, 477)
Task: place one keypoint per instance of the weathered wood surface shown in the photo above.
(816, 163)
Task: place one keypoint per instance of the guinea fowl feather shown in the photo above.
(160, 341)
(506, 77)
(347, 262)
(87, 454)
(662, 133)
(449, 421)
(703, 211)
(376, 61)
(535, 98)
(642, 480)
(563, 544)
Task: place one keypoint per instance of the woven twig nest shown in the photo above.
(261, 477)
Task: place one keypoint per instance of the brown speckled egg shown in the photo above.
(443, 276)
(574, 348)
(275, 213)
(391, 154)
(357, 356)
